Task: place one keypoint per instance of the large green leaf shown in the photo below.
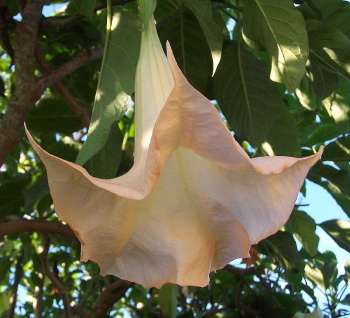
(329, 46)
(324, 82)
(66, 148)
(38, 189)
(338, 150)
(297, 282)
(105, 163)
(315, 275)
(5, 300)
(282, 138)
(337, 105)
(279, 28)
(281, 247)
(335, 12)
(339, 177)
(303, 227)
(12, 194)
(166, 8)
(306, 94)
(202, 11)
(190, 48)
(339, 231)
(321, 134)
(85, 7)
(323, 269)
(116, 84)
(52, 115)
(168, 299)
(251, 103)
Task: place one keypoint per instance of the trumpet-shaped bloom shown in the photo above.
(192, 202)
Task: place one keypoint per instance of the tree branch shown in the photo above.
(61, 289)
(45, 227)
(25, 94)
(18, 276)
(62, 90)
(110, 295)
(5, 18)
(243, 307)
(242, 272)
(28, 94)
(68, 67)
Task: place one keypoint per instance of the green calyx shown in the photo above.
(146, 9)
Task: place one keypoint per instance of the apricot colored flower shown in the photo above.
(193, 200)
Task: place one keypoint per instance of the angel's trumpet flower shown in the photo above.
(193, 200)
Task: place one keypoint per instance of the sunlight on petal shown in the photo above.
(193, 200)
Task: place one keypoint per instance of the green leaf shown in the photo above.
(338, 150)
(339, 231)
(337, 105)
(251, 103)
(335, 12)
(190, 48)
(323, 81)
(5, 300)
(85, 7)
(35, 192)
(168, 299)
(303, 227)
(11, 194)
(2, 87)
(5, 262)
(166, 8)
(116, 84)
(66, 148)
(105, 163)
(329, 46)
(297, 282)
(282, 138)
(311, 8)
(306, 94)
(52, 115)
(202, 11)
(315, 275)
(323, 269)
(321, 134)
(338, 177)
(281, 247)
(13, 7)
(279, 28)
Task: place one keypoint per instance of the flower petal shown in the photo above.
(192, 202)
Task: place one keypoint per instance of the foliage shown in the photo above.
(282, 86)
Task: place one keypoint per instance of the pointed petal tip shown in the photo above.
(169, 51)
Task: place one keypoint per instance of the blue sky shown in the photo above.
(322, 207)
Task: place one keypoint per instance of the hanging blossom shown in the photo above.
(193, 200)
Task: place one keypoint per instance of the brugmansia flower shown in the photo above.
(193, 200)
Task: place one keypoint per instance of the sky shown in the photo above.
(322, 207)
